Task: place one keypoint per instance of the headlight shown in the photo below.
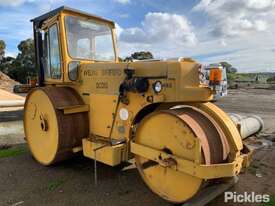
(157, 86)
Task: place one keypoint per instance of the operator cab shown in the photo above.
(65, 38)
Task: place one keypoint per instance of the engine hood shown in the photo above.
(180, 79)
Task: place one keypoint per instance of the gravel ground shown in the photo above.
(252, 101)
(24, 182)
(11, 126)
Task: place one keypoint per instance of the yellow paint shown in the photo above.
(165, 132)
(98, 85)
(43, 143)
(102, 113)
(74, 109)
(189, 167)
(110, 155)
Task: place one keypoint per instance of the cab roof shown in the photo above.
(38, 20)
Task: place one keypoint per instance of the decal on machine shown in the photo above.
(102, 85)
(103, 72)
(90, 73)
(111, 72)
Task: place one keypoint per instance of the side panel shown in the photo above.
(102, 112)
(110, 155)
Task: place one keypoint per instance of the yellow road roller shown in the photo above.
(157, 112)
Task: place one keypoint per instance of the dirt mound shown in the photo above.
(6, 83)
(5, 95)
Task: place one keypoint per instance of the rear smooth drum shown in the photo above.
(50, 133)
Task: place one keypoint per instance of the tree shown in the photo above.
(139, 56)
(2, 50)
(270, 79)
(120, 59)
(24, 64)
(6, 64)
(228, 67)
(128, 59)
(232, 70)
(142, 55)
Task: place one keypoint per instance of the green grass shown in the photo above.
(54, 185)
(262, 77)
(253, 169)
(271, 202)
(11, 152)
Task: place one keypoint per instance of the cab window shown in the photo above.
(54, 53)
(89, 40)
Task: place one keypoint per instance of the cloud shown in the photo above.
(11, 54)
(14, 3)
(223, 42)
(161, 28)
(237, 17)
(238, 31)
(253, 53)
(123, 1)
(119, 29)
(242, 59)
